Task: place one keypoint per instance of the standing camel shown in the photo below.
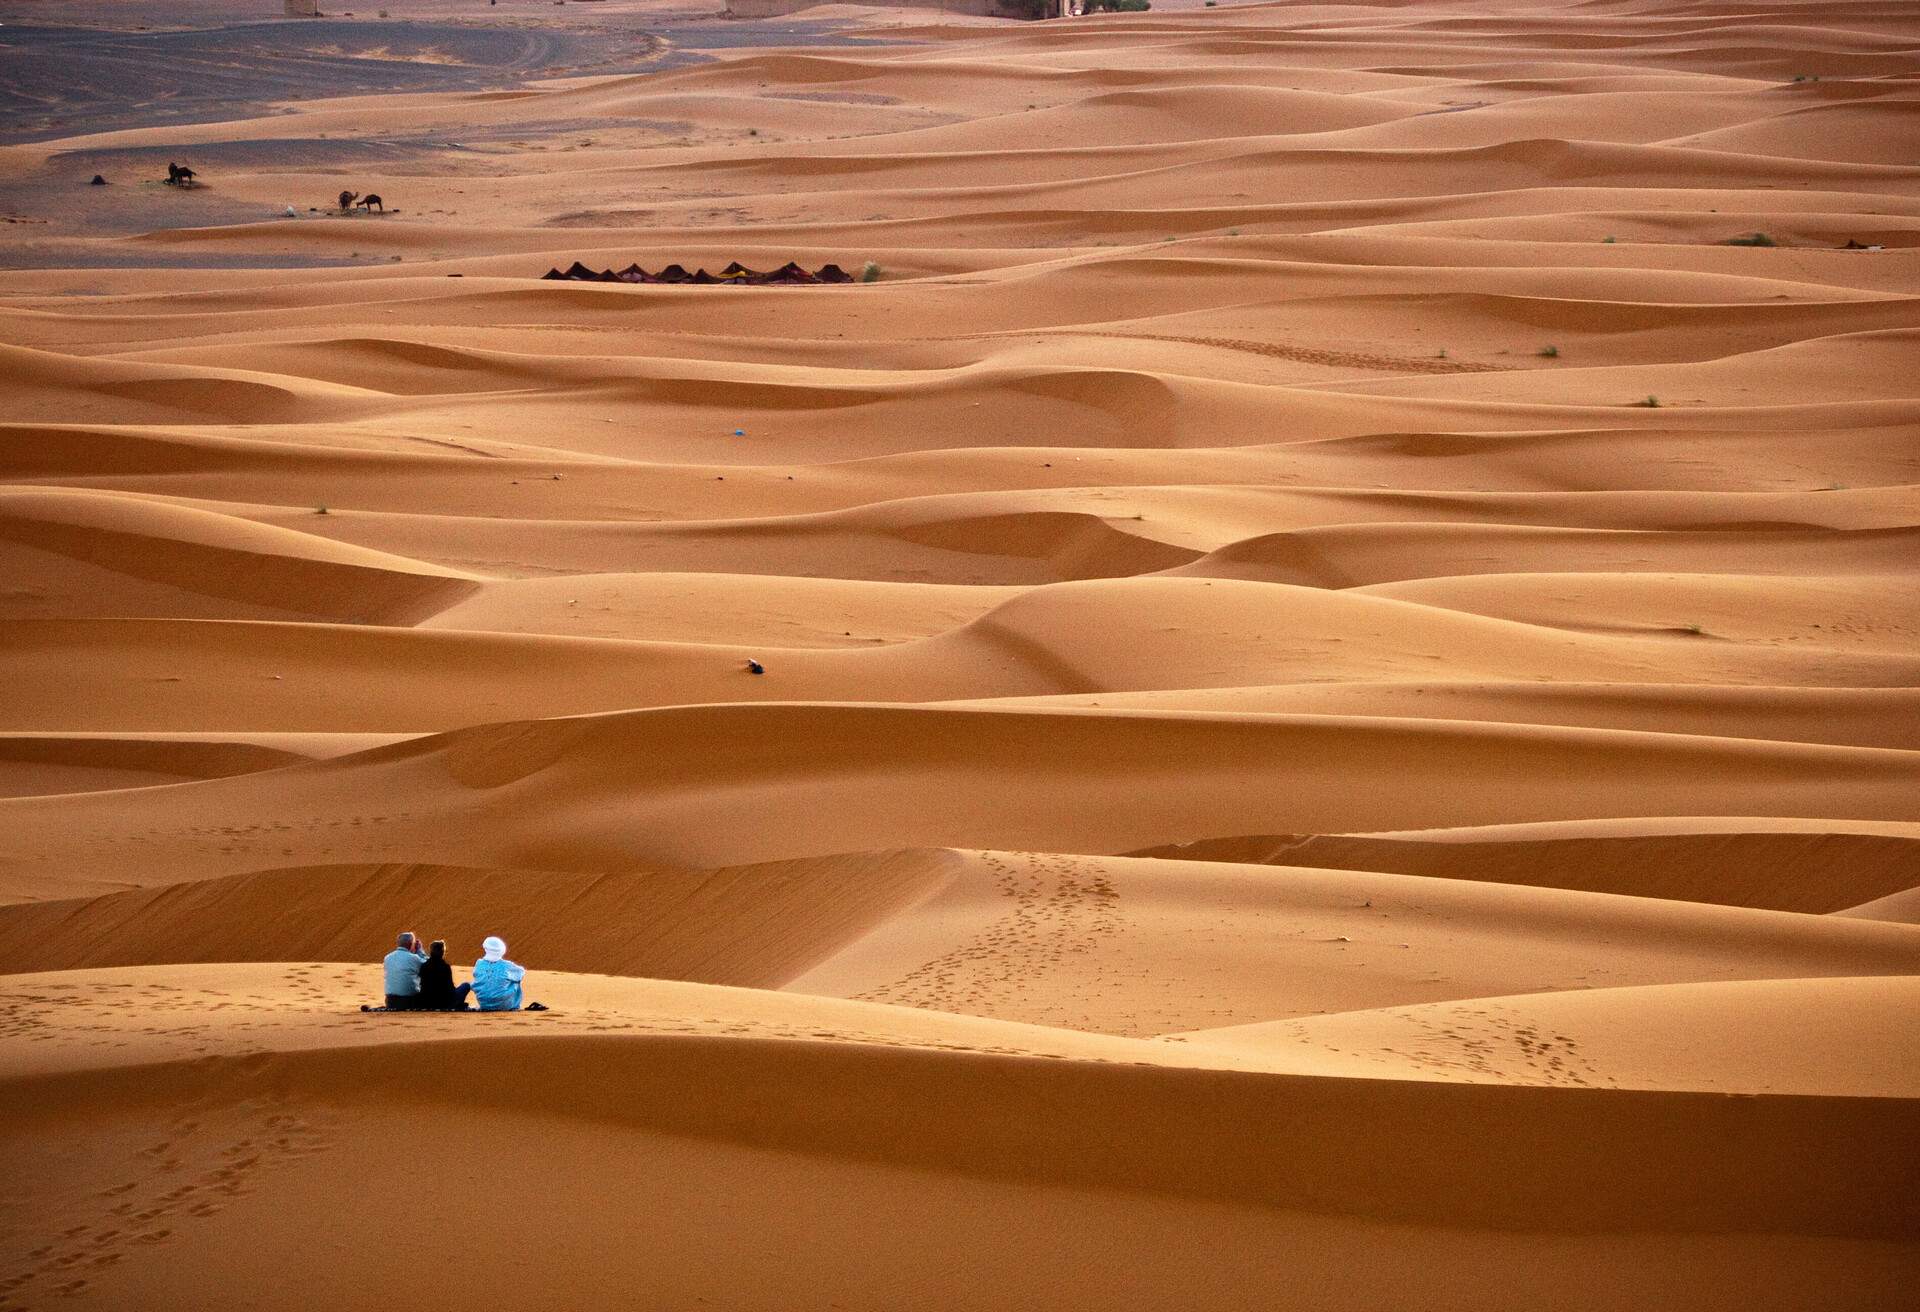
(178, 176)
(347, 198)
(371, 202)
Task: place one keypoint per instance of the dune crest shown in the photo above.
(1301, 687)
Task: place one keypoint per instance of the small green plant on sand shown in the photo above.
(1549, 353)
(1753, 239)
(1651, 403)
(319, 510)
(1694, 629)
(1608, 241)
(870, 271)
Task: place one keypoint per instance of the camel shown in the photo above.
(178, 176)
(347, 198)
(371, 202)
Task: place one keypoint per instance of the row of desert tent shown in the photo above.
(788, 274)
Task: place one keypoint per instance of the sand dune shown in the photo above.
(1306, 689)
(59, 388)
(756, 926)
(761, 1096)
(1358, 555)
(1861, 717)
(1111, 945)
(1815, 870)
(1852, 132)
(289, 677)
(1902, 907)
(714, 785)
(117, 555)
(778, 611)
(1757, 1036)
(32, 763)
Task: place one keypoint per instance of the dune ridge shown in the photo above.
(1307, 692)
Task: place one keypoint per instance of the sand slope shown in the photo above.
(1307, 693)
(713, 1089)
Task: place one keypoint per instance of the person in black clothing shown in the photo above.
(437, 990)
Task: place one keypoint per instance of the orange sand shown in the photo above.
(1280, 779)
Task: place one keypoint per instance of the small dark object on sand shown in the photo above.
(755, 667)
(178, 176)
(98, 181)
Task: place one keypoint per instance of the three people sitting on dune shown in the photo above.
(421, 979)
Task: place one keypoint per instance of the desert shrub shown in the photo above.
(1753, 239)
(1549, 353)
(870, 272)
(1651, 403)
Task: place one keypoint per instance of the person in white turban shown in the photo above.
(496, 981)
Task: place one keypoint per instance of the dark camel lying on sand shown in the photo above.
(787, 275)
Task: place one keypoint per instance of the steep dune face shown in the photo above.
(90, 553)
(754, 926)
(1802, 868)
(1309, 686)
(705, 786)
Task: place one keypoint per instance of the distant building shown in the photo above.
(303, 8)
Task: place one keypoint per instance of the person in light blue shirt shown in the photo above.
(402, 966)
(496, 981)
